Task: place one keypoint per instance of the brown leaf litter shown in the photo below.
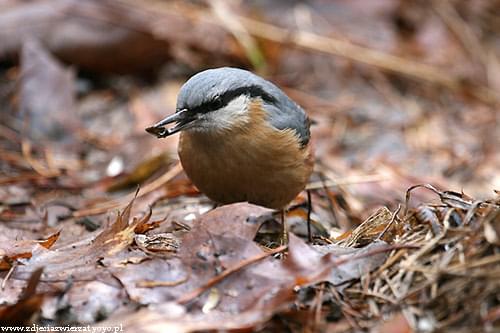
(216, 277)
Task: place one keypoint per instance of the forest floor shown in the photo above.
(100, 226)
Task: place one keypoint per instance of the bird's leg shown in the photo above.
(309, 210)
(284, 229)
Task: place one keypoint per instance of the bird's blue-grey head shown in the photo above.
(217, 100)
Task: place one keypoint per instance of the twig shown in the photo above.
(346, 49)
(332, 263)
(346, 310)
(154, 283)
(349, 50)
(331, 205)
(478, 263)
(311, 41)
(317, 307)
(212, 282)
(309, 210)
(470, 42)
(36, 165)
(9, 273)
(118, 203)
(346, 181)
(229, 20)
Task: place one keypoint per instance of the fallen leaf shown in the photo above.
(23, 249)
(47, 95)
(395, 324)
(30, 302)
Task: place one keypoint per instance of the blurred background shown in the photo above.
(402, 91)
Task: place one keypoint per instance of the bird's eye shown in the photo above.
(216, 103)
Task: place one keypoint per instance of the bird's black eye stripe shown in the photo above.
(252, 91)
(216, 103)
(221, 101)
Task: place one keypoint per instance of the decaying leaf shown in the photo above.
(22, 313)
(47, 95)
(23, 249)
(370, 229)
(250, 295)
(164, 242)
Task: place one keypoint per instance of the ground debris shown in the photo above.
(450, 281)
(425, 281)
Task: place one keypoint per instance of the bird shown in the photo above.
(242, 139)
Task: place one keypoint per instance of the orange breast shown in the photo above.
(254, 162)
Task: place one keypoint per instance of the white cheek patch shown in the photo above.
(234, 113)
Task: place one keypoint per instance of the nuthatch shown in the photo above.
(242, 138)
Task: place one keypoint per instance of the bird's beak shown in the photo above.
(181, 118)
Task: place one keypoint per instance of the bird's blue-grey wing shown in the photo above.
(289, 116)
(285, 113)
